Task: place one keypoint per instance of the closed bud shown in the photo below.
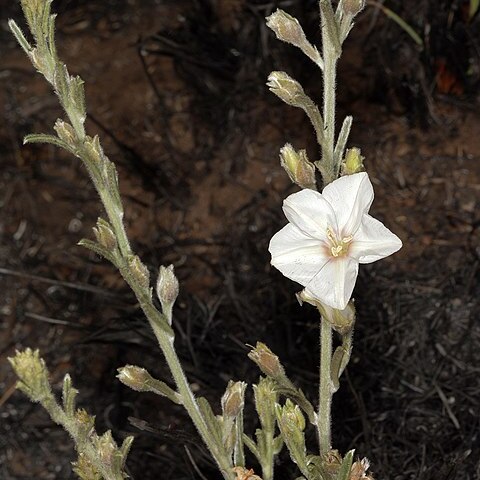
(84, 468)
(167, 290)
(65, 132)
(287, 89)
(266, 397)
(105, 447)
(299, 169)
(85, 423)
(286, 28)
(353, 7)
(342, 321)
(353, 162)
(136, 378)
(267, 361)
(332, 461)
(139, 271)
(94, 149)
(233, 398)
(104, 235)
(291, 417)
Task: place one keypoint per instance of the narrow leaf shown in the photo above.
(344, 472)
(97, 248)
(18, 34)
(250, 444)
(330, 24)
(44, 138)
(210, 418)
(342, 139)
(400, 21)
(69, 394)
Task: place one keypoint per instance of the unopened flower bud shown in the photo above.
(342, 321)
(135, 377)
(291, 418)
(266, 397)
(167, 290)
(267, 361)
(104, 235)
(105, 447)
(32, 374)
(65, 132)
(84, 468)
(286, 27)
(233, 398)
(353, 162)
(139, 271)
(353, 7)
(332, 461)
(287, 89)
(299, 169)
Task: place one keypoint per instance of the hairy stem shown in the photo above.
(325, 387)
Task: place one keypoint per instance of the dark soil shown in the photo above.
(176, 91)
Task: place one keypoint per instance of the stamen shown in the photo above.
(338, 248)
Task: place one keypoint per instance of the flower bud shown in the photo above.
(286, 28)
(353, 7)
(140, 380)
(298, 167)
(104, 235)
(84, 468)
(233, 398)
(85, 423)
(287, 89)
(265, 399)
(135, 377)
(342, 321)
(290, 419)
(353, 162)
(139, 271)
(65, 132)
(105, 447)
(332, 461)
(167, 290)
(267, 361)
(32, 374)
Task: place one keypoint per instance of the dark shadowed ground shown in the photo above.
(176, 91)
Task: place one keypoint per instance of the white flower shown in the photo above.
(329, 234)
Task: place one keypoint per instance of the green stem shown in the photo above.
(325, 387)
(165, 342)
(329, 79)
(267, 460)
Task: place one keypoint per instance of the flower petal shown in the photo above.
(373, 241)
(350, 197)
(310, 212)
(298, 256)
(334, 284)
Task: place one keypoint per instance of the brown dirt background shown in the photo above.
(176, 91)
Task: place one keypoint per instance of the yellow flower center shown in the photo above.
(338, 247)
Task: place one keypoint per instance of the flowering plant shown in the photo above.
(329, 234)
